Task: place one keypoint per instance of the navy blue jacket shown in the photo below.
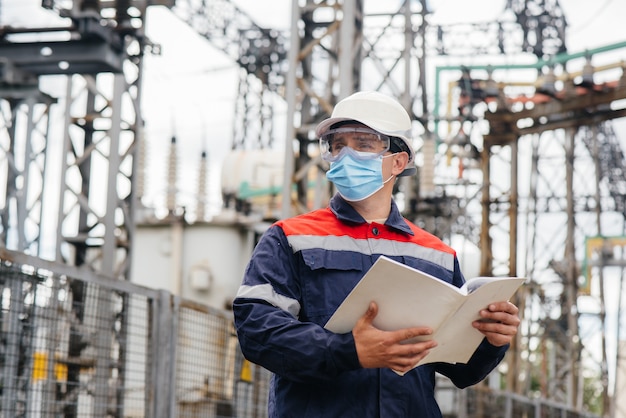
(299, 273)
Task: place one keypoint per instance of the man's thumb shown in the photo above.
(372, 311)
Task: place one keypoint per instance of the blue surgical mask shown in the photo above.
(357, 175)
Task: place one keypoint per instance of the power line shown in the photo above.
(598, 12)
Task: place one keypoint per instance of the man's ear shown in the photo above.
(400, 161)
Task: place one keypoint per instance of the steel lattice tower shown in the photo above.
(70, 197)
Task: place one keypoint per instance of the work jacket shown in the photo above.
(300, 272)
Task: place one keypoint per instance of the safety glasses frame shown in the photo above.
(363, 151)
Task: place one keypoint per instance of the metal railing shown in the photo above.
(482, 402)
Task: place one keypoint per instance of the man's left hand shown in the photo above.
(499, 323)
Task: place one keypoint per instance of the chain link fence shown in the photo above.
(75, 344)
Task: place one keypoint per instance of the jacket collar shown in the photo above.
(346, 213)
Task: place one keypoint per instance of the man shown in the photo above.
(304, 267)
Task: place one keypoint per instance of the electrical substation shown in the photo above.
(117, 305)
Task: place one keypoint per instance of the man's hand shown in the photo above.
(499, 323)
(378, 349)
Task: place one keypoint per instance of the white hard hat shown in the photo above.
(376, 110)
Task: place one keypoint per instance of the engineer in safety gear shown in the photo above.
(304, 267)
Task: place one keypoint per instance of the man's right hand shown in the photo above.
(379, 349)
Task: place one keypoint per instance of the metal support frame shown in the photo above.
(262, 55)
(330, 52)
(96, 215)
(101, 124)
(563, 204)
(91, 171)
(254, 113)
(71, 57)
(25, 114)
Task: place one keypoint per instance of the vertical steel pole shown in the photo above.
(571, 274)
(290, 94)
(346, 59)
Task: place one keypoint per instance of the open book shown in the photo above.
(407, 297)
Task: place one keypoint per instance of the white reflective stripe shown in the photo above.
(266, 292)
(328, 242)
(371, 246)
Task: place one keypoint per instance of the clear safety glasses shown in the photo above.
(363, 140)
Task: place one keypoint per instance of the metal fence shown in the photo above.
(75, 344)
(482, 402)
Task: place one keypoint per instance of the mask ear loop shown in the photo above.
(391, 176)
(408, 171)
